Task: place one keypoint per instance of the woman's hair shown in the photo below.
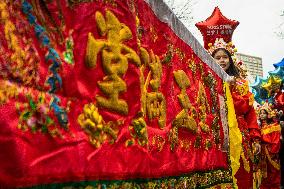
(232, 70)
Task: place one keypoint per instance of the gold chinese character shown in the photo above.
(115, 57)
(185, 118)
(204, 108)
(155, 100)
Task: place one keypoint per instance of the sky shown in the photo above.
(255, 35)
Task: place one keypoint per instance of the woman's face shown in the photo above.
(262, 115)
(222, 59)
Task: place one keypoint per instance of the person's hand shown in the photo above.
(231, 80)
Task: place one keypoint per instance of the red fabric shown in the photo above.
(247, 123)
(29, 159)
(245, 111)
(244, 178)
(273, 178)
(270, 141)
(279, 100)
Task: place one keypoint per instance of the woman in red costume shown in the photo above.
(246, 117)
(270, 144)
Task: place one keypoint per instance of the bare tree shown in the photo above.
(280, 28)
(182, 9)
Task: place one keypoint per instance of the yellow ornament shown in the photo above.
(273, 84)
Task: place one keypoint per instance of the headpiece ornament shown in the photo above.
(217, 32)
(268, 108)
(220, 43)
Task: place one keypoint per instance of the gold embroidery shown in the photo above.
(180, 53)
(208, 144)
(273, 163)
(7, 91)
(192, 65)
(35, 116)
(115, 57)
(22, 64)
(145, 59)
(167, 57)
(198, 141)
(76, 2)
(159, 142)
(185, 118)
(211, 83)
(155, 101)
(204, 108)
(216, 129)
(153, 33)
(98, 130)
(171, 51)
(270, 129)
(138, 129)
(185, 144)
(241, 87)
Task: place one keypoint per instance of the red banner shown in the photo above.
(104, 91)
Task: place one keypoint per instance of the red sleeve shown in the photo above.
(253, 127)
(244, 107)
(241, 103)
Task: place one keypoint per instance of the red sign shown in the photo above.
(108, 93)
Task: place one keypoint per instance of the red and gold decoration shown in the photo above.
(217, 31)
(220, 43)
(102, 94)
(271, 112)
(215, 27)
(269, 163)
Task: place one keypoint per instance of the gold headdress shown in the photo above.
(268, 108)
(220, 43)
(230, 47)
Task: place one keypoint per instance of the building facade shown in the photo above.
(253, 65)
